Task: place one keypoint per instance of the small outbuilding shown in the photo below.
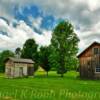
(18, 67)
(89, 60)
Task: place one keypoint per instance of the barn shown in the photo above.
(18, 67)
(89, 61)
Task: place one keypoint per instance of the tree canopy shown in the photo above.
(3, 56)
(65, 43)
(18, 52)
(30, 51)
(44, 59)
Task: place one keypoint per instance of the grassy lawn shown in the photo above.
(52, 88)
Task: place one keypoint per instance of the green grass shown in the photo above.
(52, 88)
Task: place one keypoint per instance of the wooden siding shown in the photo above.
(88, 62)
(13, 69)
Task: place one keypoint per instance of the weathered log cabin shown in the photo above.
(89, 61)
(17, 67)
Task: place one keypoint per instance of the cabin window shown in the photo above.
(96, 51)
(97, 68)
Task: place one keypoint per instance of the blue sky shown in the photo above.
(23, 19)
(34, 11)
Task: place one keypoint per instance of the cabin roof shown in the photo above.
(95, 42)
(20, 60)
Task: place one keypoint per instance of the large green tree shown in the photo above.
(65, 44)
(30, 51)
(54, 58)
(3, 56)
(44, 55)
(18, 52)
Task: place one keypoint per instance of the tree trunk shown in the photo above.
(62, 75)
(47, 74)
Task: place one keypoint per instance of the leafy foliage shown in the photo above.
(65, 43)
(30, 51)
(18, 52)
(54, 58)
(3, 56)
(44, 58)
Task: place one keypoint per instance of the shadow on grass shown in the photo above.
(70, 75)
(53, 75)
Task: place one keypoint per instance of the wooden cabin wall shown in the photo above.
(87, 69)
(88, 62)
(8, 68)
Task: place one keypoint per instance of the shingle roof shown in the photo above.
(21, 60)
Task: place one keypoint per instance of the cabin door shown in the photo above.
(21, 71)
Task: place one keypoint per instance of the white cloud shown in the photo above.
(18, 35)
(84, 14)
(56, 7)
(89, 36)
(43, 39)
(93, 4)
(36, 22)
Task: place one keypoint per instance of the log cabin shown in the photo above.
(89, 62)
(18, 67)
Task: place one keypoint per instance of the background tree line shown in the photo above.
(59, 56)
